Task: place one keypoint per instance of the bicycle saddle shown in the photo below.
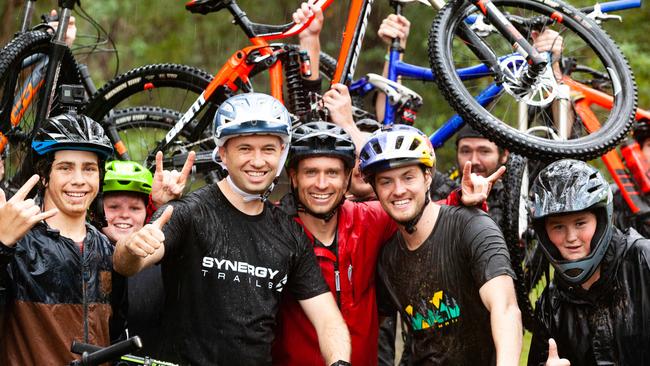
(206, 6)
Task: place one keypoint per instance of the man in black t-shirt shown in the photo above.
(228, 255)
(447, 269)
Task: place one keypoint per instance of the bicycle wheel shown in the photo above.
(23, 63)
(584, 44)
(527, 259)
(140, 128)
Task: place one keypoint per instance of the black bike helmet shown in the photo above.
(568, 186)
(321, 139)
(641, 130)
(72, 131)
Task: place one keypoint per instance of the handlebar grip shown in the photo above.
(111, 352)
(79, 348)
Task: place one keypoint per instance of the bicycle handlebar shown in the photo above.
(265, 31)
(100, 355)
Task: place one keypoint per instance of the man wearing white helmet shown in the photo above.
(227, 255)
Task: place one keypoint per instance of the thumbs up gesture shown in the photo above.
(149, 240)
(18, 215)
(553, 357)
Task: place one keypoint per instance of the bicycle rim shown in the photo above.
(584, 43)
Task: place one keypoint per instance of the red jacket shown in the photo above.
(362, 229)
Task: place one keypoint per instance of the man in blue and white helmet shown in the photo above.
(227, 254)
(597, 308)
(447, 268)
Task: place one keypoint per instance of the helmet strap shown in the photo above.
(410, 225)
(248, 197)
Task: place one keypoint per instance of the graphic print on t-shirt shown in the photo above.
(436, 312)
(238, 271)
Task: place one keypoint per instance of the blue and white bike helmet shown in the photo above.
(252, 114)
(398, 146)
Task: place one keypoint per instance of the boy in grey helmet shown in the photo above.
(597, 308)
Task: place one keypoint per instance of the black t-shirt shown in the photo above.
(437, 287)
(224, 273)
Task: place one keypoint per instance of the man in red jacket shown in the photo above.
(347, 236)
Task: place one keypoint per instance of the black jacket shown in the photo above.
(624, 218)
(54, 292)
(610, 323)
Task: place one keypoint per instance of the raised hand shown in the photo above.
(338, 102)
(169, 185)
(476, 188)
(150, 239)
(553, 356)
(394, 26)
(550, 41)
(19, 215)
(306, 11)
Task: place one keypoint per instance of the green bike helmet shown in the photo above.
(127, 176)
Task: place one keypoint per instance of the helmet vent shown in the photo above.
(364, 155)
(414, 144)
(398, 142)
(593, 189)
(376, 147)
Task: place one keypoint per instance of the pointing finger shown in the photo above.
(187, 167)
(25, 189)
(467, 170)
(45, 215)
(159, 162)
(552, 350)
(496, 175)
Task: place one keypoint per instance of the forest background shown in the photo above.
(162, 31)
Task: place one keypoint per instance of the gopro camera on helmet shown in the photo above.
(71, 96)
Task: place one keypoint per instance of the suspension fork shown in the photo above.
(56, 54)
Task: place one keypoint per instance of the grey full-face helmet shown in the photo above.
(570, 186)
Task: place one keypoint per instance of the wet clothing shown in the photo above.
(45, 274)
(609, 324)
(362, 229)
(624, 218)
(137, 308)
(436, 287)
(224, 274)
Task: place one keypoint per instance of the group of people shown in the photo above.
(98, 250)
